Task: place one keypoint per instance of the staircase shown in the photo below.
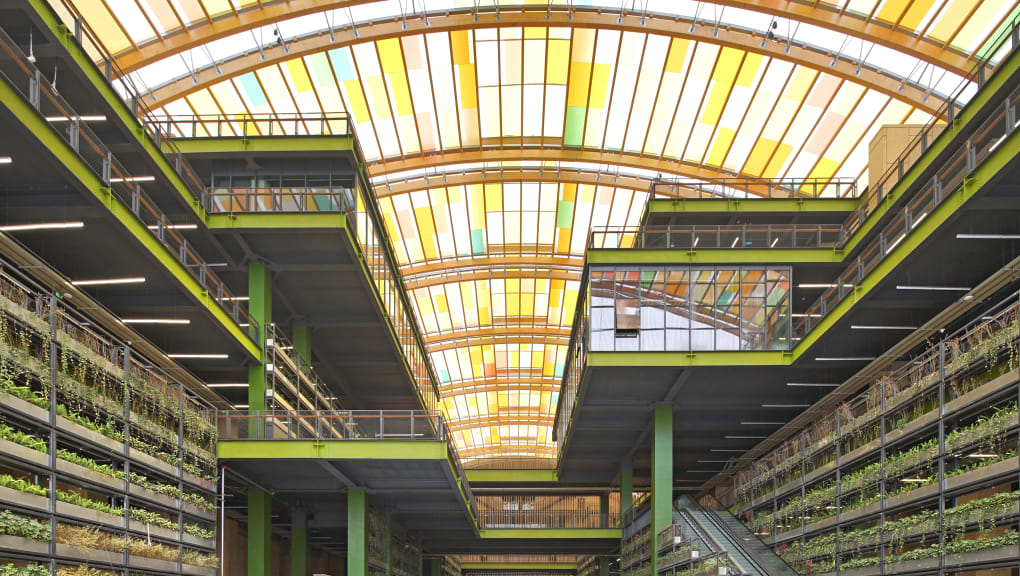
(727, 534)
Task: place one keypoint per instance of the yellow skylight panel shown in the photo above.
(469, 303)
(752, 71)
(920, 13)
(767, 92)
(861, 7)
(695, 87)
(192, 10)
(670, 87)
(373, 84)
(462, 49)
(420, 83)
(950, 19)
(729, 64)
(104, 24)
(440, 76)
(648, 83)
(582, 217)
(602, 72)
(982, 24)
(808, 116)
(391, 61)
(781, 115)
(534, 81)
(624, 83)
(325, 83)
(829, 127)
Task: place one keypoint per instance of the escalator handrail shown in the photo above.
(734, 540)
(753, 556)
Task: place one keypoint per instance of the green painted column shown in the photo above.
(299, 543)
(260, 544)
(626, 487)
(435, 566)
(357, 533)
(303, 343)
(604, 511)
(260, 306)
(603, 566)
(662, 475)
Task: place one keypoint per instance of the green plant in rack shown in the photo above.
(14, 570)
(12, 524)
(22, 485)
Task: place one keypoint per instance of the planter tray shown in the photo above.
(157, 531)
(797, 532)
(13, 449)
(861, 512)
(196, 541)
(151, 462)
(912, 426)
(152, 496)
(23, 545)
(983, 556)
(985, 472)
(916, 494)
(202, 513)
(24, 499)
(986, 389)
(89, 515)
(861, 451)
(144, 563)
(25, 408)
(90, 555)
(815, 474)
(75, 429)
(866, 571)
(90, 475)
(196, 481)
(197, 570)
(921, 565)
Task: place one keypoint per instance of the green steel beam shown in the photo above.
(62, 152)
(260, 542)
(714, 256)
(260, 306)
(726, 205)
(626, 487)
(262, 144)
(551, 533)
(603, 510)
(86, 64)
(518, 566)
(998, 160)
(704, 358)
(299, 544)
(511, 476)
(662, 476)
(357, 538)
(332, 449)
(276, 221)
(302, 339)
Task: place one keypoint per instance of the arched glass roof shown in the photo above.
(498, 134)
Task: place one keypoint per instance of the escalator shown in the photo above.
(727, 534)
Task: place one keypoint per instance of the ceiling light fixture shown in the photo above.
(173, 321)
(105, 281)
(844, 358)
(876, 327)
(811, 286)
(763, 423)
(745, 437)
(934, 288)
(229, 385)
(978, 455)
(811, 385)
(134, 179)
(235, 298)
(87, 118)
(797, 315)
(785, 405)
(914, 480)
(988, 236)
(199, 356)
(240, 405)
(773, 245)
(41, 226)
(734, 244)
(177, 227)
(6, 160)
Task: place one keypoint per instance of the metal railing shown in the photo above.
(250, 125)
(543, 511)
(749, 236)
(286, 425)
(29, 81)
(744, 187)
(277, 199)
(518, 558)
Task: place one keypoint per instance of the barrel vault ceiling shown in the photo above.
(498, 134)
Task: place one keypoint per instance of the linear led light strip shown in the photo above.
(134, 179)
(6, 160)
(155, 321)
(42, 226)
(106, 281)
(198, 356)
(92, 118)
